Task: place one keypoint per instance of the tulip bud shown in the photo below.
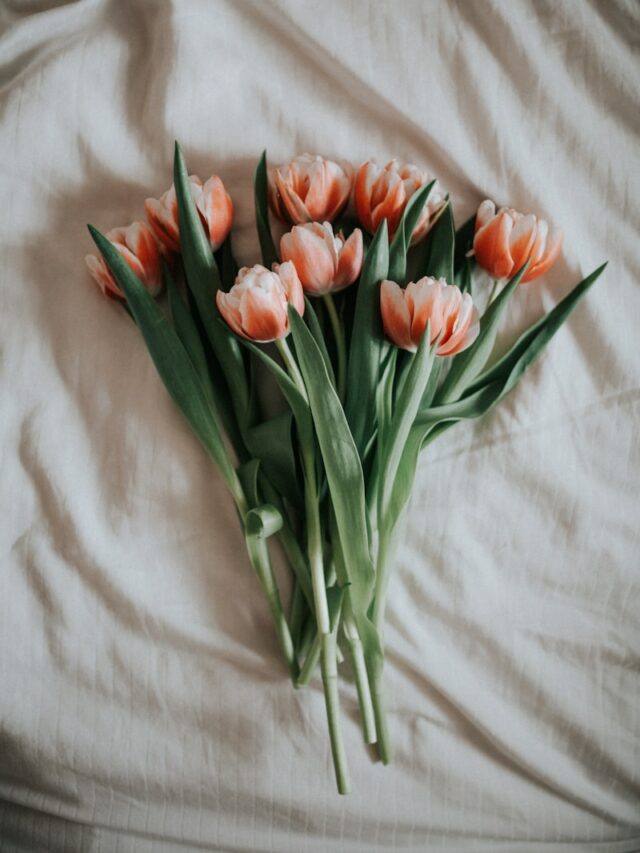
(506, 240)
(256, 306)
(139, 247)
(310, 189)
(384, 193)
(324, 262)
(213, 203)
(452, 315)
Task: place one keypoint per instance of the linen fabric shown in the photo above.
(143, 702)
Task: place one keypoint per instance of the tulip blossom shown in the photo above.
(256, 306)
(324, 261)
(506, 240)
(383, 193)
(405, 313)
(310, 189)
(213, 203)
(139, 247)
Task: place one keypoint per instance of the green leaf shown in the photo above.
(367, 345)
(464, 242)
(227, 264)
(529, 345)
(406, 409)
(185, 327)
(299, 406)
(437, 260)
(204, 280)
(263, 521)
(346, 484)
(471, 406)
(261, 192)
(402, 239)
(172, 361)
(271, 442)
(468, 364)
(314, 327)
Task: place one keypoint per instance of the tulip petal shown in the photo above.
(296, 210)
(264, 315)
(292, 286)
(350, 261)
(313, 261)
(552, 251)
(491, 246)
(521, 239)
(396, 318)
(362, 194)
(486, 212)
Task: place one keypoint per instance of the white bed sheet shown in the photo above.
(143, 704)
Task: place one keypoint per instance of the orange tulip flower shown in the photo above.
(256, 305)
(325, 262)
(505, 240)
(139, 247)
(310, 189)
(405, 314)
(213, 203)
(383, 193)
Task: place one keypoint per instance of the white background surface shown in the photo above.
(143, 704)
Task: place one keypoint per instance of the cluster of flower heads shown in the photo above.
(309, 193)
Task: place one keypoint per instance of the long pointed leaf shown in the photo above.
(261, 193)
(171, 359)
(402, 239)
(439, 248)
(204, 280)
(468, 364)
(367, 345)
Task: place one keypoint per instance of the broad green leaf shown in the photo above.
(464, 242)
(261, 192)
(367, 345)
(404, 416)
(172, 361)
(204, 280)
(346, 485)
(263, 521)
(471, 406)
(464, 276)
(314, 327)
(299, 406)
(513, 363)
(468, 364)
(227, 264)
(248, 473)
(437, 260)
(402, 239)
(271, 442)
(185, 327)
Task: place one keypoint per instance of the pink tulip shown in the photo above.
(139, 247)
(213, 203)
(310, 189)
(405, 313)
(384, 193)
(324, 262)
(505, 240)
(256, 305)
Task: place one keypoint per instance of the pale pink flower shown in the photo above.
(139, 247)
(325, 261)
(310, 189)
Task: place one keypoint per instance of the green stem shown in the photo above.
(360, 675)
(329, 669)
(377, 697)
(341, 348)
(328, 649)
(310, 663)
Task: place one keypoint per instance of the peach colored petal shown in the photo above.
(230, 313)
(521, 240)
(312, 260)
(296, 210)
(390, 208)
(350, 261)
(362, 194)
(396, 318)
(486, 212)
(552, 251)
(264, 315)
(292, 285)
(103, 277)
(491, 246)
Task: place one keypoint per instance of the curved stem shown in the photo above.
(329, 669)
(341, 348)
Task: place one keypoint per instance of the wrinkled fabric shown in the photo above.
(143, 702)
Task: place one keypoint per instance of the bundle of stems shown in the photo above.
(329, 477)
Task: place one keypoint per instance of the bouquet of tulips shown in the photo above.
(377, 322)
